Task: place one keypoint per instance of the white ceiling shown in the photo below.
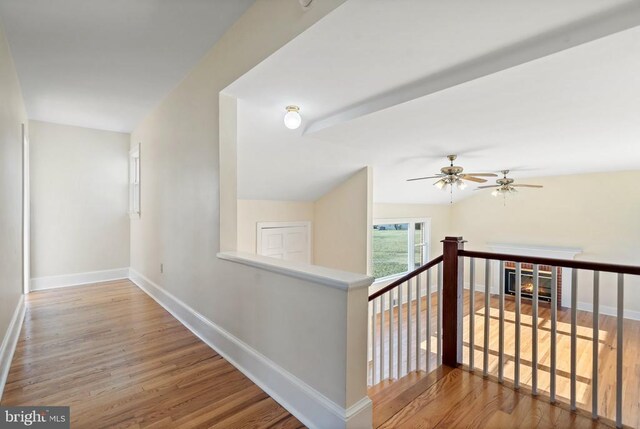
(105, 64)
(363, 72)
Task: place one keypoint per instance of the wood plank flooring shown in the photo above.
(455, 398)
(120, 360)
(606, 355)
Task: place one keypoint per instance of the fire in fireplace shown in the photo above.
(526, 289)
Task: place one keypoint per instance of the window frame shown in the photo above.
(410, 242)
(134, 182)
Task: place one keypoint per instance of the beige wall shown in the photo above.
(250, 212)
(598, 213)
(342, 226)
(79, 200)
(12, 116)
(440, 216)
(180, 222)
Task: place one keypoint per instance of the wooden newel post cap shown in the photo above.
(454, 239)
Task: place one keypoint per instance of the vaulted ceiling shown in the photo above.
(542, 88)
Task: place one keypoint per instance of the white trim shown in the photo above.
(26, 210)
(10, 341)
(134, 154)
(268, 225)
(326, 276)
(609, 311)
(308, 405)
(52, 282)
(535, 250)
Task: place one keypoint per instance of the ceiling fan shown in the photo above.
(453, 175)
(506, 186)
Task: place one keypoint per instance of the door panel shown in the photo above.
(288, 243)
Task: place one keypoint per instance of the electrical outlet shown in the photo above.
(161, 268)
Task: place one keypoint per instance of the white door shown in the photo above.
(285, 242)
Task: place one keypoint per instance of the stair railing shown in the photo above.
(392, 307)
(388, 308)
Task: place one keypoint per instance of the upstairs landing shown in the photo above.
(454, 398)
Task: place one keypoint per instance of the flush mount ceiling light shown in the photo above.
(292, 118)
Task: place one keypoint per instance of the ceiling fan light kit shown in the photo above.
(506, 186)
(453, 175)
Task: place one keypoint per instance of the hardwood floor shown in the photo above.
(120, 360)
(454, 398)
(606, 355)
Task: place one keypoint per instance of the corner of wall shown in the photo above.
(343, 219)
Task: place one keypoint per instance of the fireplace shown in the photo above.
(564, 274)
(526, 275)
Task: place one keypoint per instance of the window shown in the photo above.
(134, 182)
(399, 246)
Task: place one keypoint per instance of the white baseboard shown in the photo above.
(609, 311)
(308, 405)
(10, 341)
(52, 282)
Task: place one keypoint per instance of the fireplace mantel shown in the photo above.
(535, 250)
(539, 251)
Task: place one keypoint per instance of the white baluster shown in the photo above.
(619, 351)
(534, 332)
(596, 341)
(554, 332)
(516, 370)
(439, 321)
(574, 336)
(382, 303)
(428, 325)
(400, 321)
(487, 313)
(409, 299)
(374, 318)
(501, 326)
(418, 324)
(391, 311)
(472, 312)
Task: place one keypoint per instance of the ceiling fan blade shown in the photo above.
(487, 187)
(473, 179)
(480, 174)
(528, 186)
(424, 178)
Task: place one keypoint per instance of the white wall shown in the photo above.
(250, 212)
(12, 116)
(79, 200)
(343, 223)
(180, 222)
(598, 213)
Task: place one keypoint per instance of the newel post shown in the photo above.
(452, 297)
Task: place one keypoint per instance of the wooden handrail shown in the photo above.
(449, 332)
(406, 277)
(567, 263)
